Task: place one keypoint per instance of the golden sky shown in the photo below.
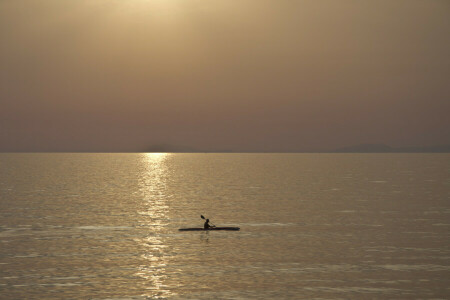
(244, 75)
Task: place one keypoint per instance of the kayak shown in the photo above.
(213, 228)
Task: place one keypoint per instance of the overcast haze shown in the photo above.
(124, 75)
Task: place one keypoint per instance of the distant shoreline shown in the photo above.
(362, 148)
(207, 152)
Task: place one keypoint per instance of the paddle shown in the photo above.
(201, 216)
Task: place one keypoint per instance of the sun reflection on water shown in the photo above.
(154, 216)
(153, 189)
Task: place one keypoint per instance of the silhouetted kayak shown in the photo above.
(213, 228)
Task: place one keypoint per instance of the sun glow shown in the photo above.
(153, 156)
(162, 6)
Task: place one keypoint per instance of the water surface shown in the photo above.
(313, 226)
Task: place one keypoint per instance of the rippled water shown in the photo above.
(313, 226)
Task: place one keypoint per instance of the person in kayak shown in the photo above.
(207, 226)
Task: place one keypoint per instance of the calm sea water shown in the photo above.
(313, 226)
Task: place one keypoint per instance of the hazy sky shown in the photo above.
(279, 75)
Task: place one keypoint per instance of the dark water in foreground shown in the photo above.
(313, 226)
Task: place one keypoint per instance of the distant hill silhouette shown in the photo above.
(381, 148)
(171, 148)
(362, 148)
(167, 148)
